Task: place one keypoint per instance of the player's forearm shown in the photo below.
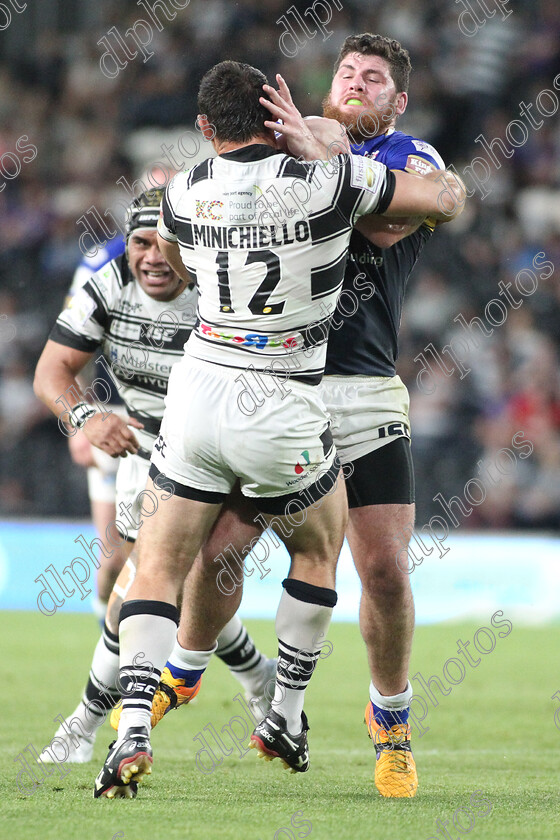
(387, 232)
(441, 195)
(172, 255)
(50, 386)
(54, 379)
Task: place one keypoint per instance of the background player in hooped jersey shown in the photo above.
(367, 402)
(261, 286)
(101, 468)
(139, 314)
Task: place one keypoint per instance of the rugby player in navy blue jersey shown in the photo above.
(368, 402)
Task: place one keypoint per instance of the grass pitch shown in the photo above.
(495, 733)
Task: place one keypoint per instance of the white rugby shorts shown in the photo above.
(101, 477)
(132, 476)
(275, 439)
(366, 412)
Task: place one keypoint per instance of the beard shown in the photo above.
(364, 125)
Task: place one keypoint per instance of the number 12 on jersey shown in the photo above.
(258, 305)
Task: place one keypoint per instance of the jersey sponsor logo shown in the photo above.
(250, 340)
(242, 217)
(151, 383)
(420, 165)
(156, 334)
(366, 259)
(129, 364)
(209, 210)
(126, 306)
(240, 205)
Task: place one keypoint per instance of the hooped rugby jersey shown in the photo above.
(266, 238)
(364, 333)
(140, 338)
(113, 249)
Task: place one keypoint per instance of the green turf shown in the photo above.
(494, 733)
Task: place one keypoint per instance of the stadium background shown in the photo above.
(497, 732)
(91, 130)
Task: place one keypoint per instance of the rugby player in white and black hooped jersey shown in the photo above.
(262, 281)
(139, 314)
(101, 469)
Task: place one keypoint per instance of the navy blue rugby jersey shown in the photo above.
(364, 342)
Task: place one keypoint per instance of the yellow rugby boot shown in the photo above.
(395, 769)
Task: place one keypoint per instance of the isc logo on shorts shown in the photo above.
(393, 429)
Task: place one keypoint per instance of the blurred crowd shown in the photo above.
(89, 129)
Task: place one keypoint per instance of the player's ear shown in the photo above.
(401, 103)
(207, 128)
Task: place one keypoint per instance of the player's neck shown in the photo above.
(223, 146)
(359, 137)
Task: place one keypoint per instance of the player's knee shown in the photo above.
(113, 612)
(115, 563)
(381, 578)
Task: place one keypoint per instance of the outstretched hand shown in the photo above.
(295, 133)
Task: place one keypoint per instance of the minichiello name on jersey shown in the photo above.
(250, 236)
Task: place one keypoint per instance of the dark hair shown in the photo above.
(229, 97)
(396, 56)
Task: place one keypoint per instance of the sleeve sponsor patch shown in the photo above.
(428, 150)
(414, 163)
(82, 306)
(421, 146)
(366, 174)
